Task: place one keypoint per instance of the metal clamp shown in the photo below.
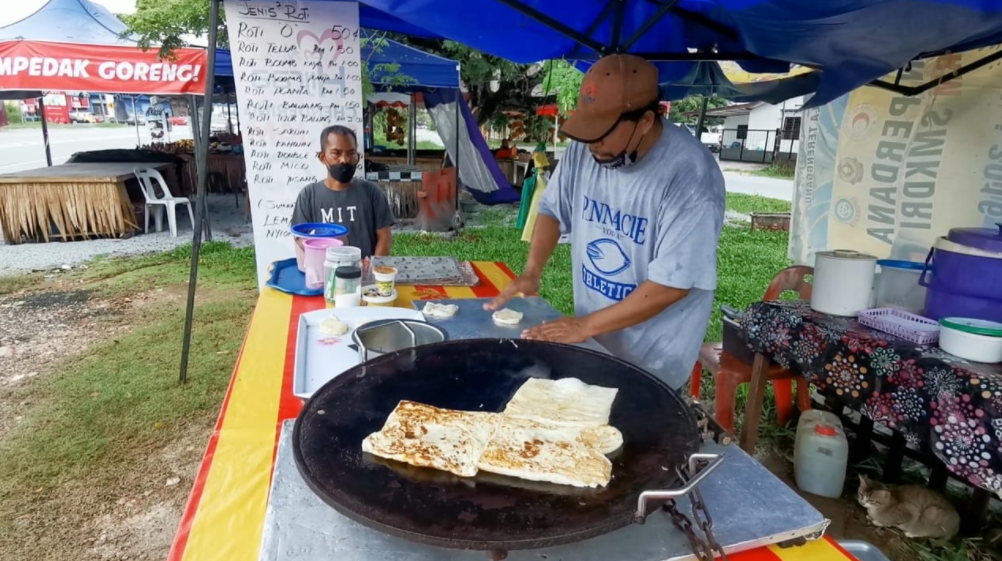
(711, 461)
(364, 328)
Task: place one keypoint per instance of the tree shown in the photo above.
(494, 84)
(564, 80)
(692, 104)
(168, 22)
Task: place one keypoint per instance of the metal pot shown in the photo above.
(392, 335)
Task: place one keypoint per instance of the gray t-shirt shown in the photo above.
(362, 208)
(657, 220)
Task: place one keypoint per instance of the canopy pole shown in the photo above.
(412, 131)
(702, 117)
(556, 130)
(201, 163)
(236, 107)
(45, 131)
(135, 119)
(229, 116)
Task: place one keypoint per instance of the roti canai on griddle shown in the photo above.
(564, 402)
(552, 431)
(426, 436)
(535, 451)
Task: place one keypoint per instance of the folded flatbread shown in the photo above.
(426, 436)
(564, 402)
(535, 451)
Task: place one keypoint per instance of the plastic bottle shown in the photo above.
(820, 460)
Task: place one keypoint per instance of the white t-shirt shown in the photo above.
(657, 220)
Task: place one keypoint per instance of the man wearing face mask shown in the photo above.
(341, 198)
(643, 203)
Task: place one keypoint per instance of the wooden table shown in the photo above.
(81, 200)
(225, 514)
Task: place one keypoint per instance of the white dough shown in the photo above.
(333, 327)
(507, 317)
(440, 311)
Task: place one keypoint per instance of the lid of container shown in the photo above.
(972, 325)
(846, 254)
(825, 430)
(318, 230)
(988, 239)
(348, 273)
(894, 264)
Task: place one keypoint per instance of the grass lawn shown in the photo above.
(747, 204)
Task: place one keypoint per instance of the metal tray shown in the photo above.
(285, 276)
(473, 322)
(321, 358)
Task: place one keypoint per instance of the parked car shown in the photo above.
(178, 121)
(82, 117)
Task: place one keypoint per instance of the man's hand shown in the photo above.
(563, 330)
(525, 285)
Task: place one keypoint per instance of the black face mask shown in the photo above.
(342, 173)
(623, 159)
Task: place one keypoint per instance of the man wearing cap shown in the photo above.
(643, 203)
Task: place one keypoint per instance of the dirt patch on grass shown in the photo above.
(128, 503)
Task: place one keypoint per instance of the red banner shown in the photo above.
(31, 65)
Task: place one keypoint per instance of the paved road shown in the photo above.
(763, 186)
(22, 149)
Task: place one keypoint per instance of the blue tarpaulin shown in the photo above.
(419, 68)
(852, 41)
(84, 22)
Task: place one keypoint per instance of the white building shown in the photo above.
(751, 130)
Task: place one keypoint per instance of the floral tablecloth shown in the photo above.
(932, 398)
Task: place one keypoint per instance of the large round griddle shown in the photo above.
(488, 513)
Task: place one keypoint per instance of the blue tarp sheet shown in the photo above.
(424, 69)
(87, 23)
(852, 41)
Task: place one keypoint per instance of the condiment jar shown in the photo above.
(347, 287)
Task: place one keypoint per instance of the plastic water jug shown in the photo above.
(813, 417)
(820, 459)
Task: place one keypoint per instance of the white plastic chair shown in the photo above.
(146, 177)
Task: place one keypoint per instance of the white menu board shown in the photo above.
(297, 68)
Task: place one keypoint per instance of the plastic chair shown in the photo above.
(146, 177)
(729, 372)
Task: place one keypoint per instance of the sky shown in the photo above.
(20, 9)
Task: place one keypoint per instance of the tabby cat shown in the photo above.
(919, 511)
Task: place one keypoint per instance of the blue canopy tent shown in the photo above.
(851, 42)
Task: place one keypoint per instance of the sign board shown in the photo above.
(888, 174)
(297, 68)
(35, 65)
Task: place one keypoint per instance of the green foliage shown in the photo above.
(13, 112)
(564, 80)
(693, 103)
(167, 22)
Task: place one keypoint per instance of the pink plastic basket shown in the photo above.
(908, 326)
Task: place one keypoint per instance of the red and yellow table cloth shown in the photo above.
(224, 517)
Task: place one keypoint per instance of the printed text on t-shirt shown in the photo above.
(327, 214)
(615, 222)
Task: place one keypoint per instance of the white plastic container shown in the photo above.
(813, 417)
(971, 339)
(843, 282)
(897, 286)
(820, 459)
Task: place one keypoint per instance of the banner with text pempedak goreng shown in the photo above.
(298, 69)
(887, 174)
(34, 65)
